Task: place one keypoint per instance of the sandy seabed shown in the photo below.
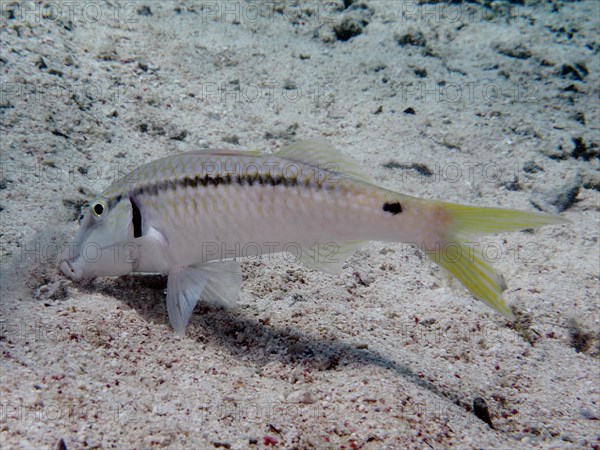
(480, 103)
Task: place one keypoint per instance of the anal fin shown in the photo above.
(329, 257)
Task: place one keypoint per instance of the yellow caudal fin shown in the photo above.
(468, 265)
(475, 221)
(466, 262)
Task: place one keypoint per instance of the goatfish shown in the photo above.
(192, 215)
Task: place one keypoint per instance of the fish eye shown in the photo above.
(99, 208)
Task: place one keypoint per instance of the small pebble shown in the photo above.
(481, 411)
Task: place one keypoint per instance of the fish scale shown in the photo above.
(191, 215)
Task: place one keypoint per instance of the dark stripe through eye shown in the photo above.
(136, 219)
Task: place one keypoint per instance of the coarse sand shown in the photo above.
(475, 102)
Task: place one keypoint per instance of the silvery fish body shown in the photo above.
(192, 214)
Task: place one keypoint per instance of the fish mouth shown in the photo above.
(68, 268)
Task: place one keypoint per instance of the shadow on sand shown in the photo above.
(222, 327)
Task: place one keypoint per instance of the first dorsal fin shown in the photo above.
(320, 152)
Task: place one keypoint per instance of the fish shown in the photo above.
(192, 216)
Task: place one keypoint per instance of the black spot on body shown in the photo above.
(393, 208)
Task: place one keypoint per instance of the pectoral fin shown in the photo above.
(184, 287)
(217, 283)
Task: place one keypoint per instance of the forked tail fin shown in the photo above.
(466, 262)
